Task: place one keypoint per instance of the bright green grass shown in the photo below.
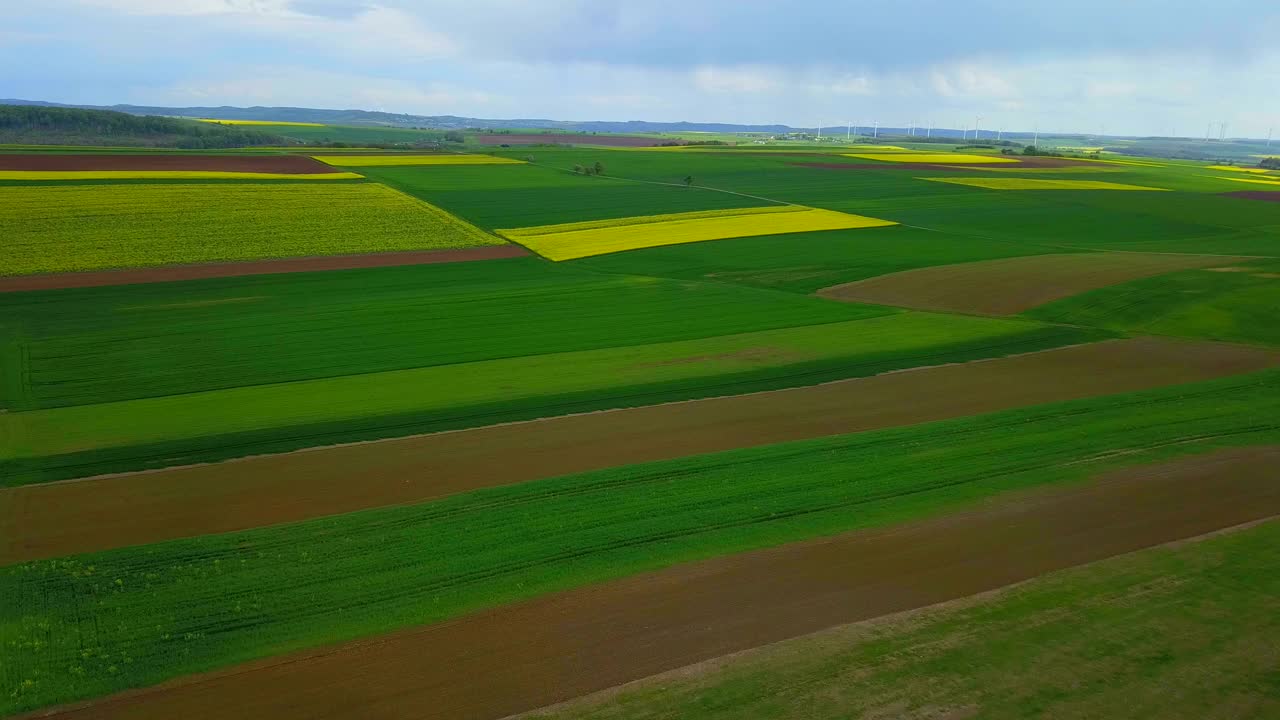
(1176, 633)
(104, 344)
(101, 622)
(94, 227)
(806, 262)
(354, 135)
(134, 434)
(1240, 306)
(509, 196)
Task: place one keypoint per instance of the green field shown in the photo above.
(181, 428)
(96, 623)
(1237, 303)
(806, 262)
(1170, 633)
(114, 343)
(510, 196)
(103, 226)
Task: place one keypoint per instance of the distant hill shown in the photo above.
(446, 122)
(35, 124)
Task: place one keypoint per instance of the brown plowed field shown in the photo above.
(289, 164)
(571, 139)
(1264, 195)
(175, 273)
(535, 653)
(62, 518)
(1011, 285)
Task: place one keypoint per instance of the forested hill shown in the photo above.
(35, 125)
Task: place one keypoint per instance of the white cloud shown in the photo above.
(714, 79)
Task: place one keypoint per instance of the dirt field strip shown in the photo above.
(1264, 195)
(1011, 285)
(536, 653)
(175, 273)
(287, 164)
(63, 518)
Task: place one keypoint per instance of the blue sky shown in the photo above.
(1123, 66)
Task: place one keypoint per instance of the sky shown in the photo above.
(1124, 67)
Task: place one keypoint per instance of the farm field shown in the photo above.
(86, 439)
(474, 430)
(69, 229)
(1181, 615)
(64, 518)
(1229, 302)
(256, 597)
(575, 240)
(1010, 285)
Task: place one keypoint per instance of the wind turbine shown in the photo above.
(1269, 133)
(976, 122)
(875, 135)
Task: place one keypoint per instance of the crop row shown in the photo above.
(97, 623)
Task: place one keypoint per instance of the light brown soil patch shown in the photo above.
(1264, 195)
(535, 653)
(63, 518)
(1011, 285)
(914, 167)
(286, 164)
(175, 273)
(572, 139)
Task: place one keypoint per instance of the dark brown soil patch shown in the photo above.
(1264, 195)
(550, 649)
(1011, 285)
(288, 164)
(1050, 162)
(80, 516)
(175, 273)
(571, 139)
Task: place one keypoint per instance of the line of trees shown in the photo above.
(31, 124)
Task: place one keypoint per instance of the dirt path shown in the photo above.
(1011, 285)
(175, 273)
(78, 516)
(544, 651)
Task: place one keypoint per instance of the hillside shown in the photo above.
(42, 125)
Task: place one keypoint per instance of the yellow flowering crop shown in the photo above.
(1233, 168)
(167, 175)
(576, 240)
(1256, 181)
(933, 158)
(382, 160)
(1008, 183)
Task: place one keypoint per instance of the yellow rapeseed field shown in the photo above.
(1007, 183)
(383, 160)
(1233, 168)
(167, 175)
(933, 158)
(1256, 181)
(568, 241)
(261, 122)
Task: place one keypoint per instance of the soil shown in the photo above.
(288, 164)
(915, 167)
(535, 653)
(174, 273)
(64, 518)
(572, 139)
(1264, 195)
(1011, 285)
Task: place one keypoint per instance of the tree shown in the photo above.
(1271, 163)
(599, 168)
(688, 181)
(455, 137)
(577, 169)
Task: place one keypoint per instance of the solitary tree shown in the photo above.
(599, 168)
(688, 181)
